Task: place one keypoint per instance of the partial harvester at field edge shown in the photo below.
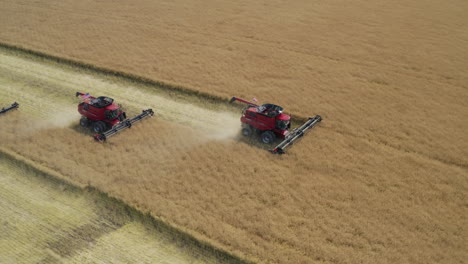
(15, 105)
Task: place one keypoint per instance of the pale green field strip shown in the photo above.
(49, 222)
(44, 88)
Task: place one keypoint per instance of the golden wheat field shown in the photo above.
(383, 179)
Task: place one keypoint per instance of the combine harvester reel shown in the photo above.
(269, 121)
(296, 134)
(104, 117)
(15, 105)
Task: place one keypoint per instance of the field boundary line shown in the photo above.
(180, 234)
(128, 76)
(108, 71)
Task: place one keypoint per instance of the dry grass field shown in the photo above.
(382, 179)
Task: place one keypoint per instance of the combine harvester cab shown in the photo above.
(270, 122)
(104, 117)
(15, 105)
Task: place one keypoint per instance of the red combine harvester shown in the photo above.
(269, 121)
(104, 117)
(15, 105)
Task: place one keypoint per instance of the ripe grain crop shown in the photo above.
(335, 197)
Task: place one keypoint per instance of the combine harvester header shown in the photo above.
(296, 134)
(123, 125)
(15, 105)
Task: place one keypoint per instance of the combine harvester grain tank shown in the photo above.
(15, 105)
(269, 121)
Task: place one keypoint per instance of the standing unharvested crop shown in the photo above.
(382, 180)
